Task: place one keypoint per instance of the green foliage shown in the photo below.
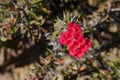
(38, 23)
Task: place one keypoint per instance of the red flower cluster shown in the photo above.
(75, 40)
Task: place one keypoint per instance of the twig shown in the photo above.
(3, 4)
(115, 9)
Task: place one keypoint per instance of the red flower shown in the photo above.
(79, 53)
(78, 35)
(73, 46)
(84, 48)
(74, 39)
(66, 38)
(74, 26)
(89, 43)
(72, 53)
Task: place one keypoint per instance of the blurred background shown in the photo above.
(29, 39)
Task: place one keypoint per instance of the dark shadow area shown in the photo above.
(28, 56)
(59, 6)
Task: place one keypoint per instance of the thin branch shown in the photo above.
(115, 9)
(3, 4)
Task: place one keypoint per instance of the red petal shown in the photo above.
(79, 54)
(62, 41)
(63, 35)
(85, 48)
(72, 53)
(72, 47)
(83, 41)
(89, 43)
(79, 36)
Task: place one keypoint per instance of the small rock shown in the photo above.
(113, 28)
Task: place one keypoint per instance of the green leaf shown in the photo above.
(35, 1)
(3, 39)
(110, 64)
(95, 75)
(13, 30)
